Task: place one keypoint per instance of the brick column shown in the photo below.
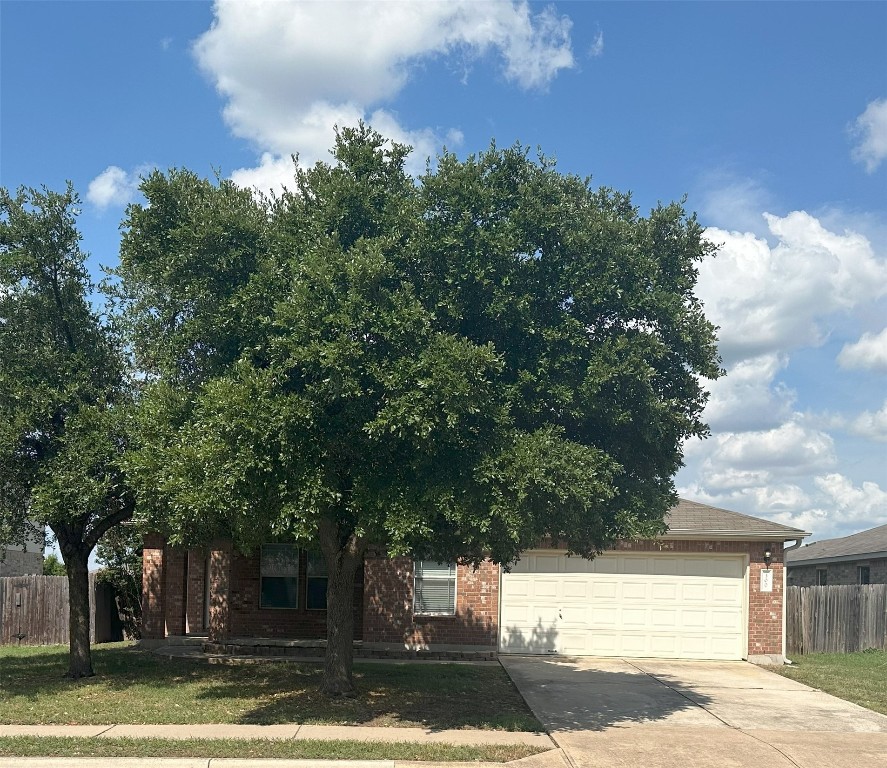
(765, 608)
(196, 590)
(153, 612)
(220, 559)
(176, 585)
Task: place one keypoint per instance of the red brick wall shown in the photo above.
(220, 559)
(175, 591)
(250, 620)
(153, 589)
(388, 607)
(196, 591)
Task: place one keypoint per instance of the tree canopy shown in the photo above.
(454, 367)
(63, 392)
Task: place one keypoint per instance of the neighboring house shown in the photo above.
(22, 561)
(857, 559)
(711, 588)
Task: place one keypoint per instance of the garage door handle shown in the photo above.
(559, 614)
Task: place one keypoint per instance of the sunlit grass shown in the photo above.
(36, 746)
(857, 677)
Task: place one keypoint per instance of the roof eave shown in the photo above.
(688, 533)
(836, 559)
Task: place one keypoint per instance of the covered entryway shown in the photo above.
(653, 605)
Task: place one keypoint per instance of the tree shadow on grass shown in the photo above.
(432, 695)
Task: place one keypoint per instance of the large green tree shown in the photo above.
(62, 397)
(455, 367)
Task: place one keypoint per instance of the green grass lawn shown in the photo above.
(857, 677)
(42, 746)
(134, 686)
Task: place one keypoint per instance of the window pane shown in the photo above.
(316, 599)
(435, 588)
(316, 564)
(864, 574)
(279, 571)
(280, 560)
(279, 592)
(429, 569)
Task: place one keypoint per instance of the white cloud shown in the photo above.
(733, 203)
(290, 71)
(748, 398)
(777, 292)
(871, 130)
(773, 299)
(113, 186)
(870, 352)
(597, 47)
(871, 424)
(785, 450)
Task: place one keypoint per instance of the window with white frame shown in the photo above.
(821, 577)
(316, 581)
(863, 575)
(279, 576)
(434, 588)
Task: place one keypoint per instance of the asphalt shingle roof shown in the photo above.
(862, 543)
(693, 517)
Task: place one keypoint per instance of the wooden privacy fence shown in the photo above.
(836, 619)
(34, 610)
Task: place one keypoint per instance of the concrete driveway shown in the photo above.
(693, 714)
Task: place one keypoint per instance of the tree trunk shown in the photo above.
(342, 560)
(80, 656)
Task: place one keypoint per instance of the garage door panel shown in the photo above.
(726, 621)
(726, 593)
(603, 617)
(635, 590)
(664, 566)
(547, 564)
(605, 564)
(574, 589)
(695, 593)
(574, 614)
(634, 617)
(668, 606)
(603, 590)
(664, 590)
(576, 565)
(664, 618)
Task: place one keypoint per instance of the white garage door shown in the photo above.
(636, 605)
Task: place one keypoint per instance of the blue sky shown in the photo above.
(771, 117)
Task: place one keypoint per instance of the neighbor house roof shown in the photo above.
(868, 544)
(690, 519)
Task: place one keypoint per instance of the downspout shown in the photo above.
(785, 658)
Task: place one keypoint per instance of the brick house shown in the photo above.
(711, 588)
(857, 559)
